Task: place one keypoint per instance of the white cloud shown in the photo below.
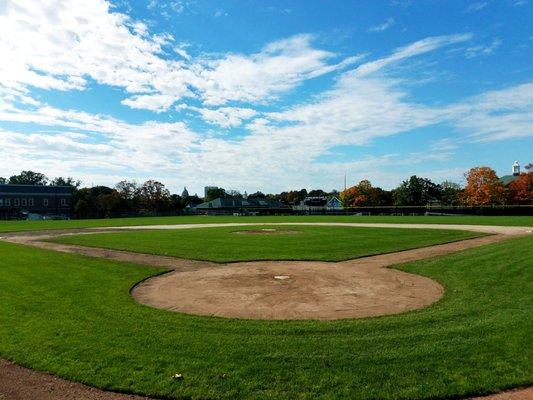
(417, 48)
(61, 45)
(383, 26)
(477, 6)
(498, 115)
(278, 67)
(226, 117)
(483, 50)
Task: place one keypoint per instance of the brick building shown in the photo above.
(31, 201)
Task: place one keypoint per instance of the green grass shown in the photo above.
(17, 226)
(73, 316)
(316, 243)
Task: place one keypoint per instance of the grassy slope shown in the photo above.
(317, 243)
(15, 226)
(73, 316)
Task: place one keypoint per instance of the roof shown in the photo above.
(507, 179)
(235, 202)
(35, 189)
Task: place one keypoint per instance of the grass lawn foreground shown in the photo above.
(73, 316)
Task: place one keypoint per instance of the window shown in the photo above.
(63, 202)
(1, 202)
(45, 202)
(17, 202)
(30, 202)
(8, 202)
(24, 203)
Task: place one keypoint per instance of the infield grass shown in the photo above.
(73, 316)
(308, 243)
(17, 226)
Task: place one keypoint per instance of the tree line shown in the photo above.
(483, 187)
(125, 198)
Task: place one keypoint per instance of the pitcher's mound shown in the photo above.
(284, 290)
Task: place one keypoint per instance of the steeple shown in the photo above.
(185, 193)
(516, 168)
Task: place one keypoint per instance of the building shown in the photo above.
(515, 173)
(242, 206)
(334, 203)
(34, 202)
(319, 203)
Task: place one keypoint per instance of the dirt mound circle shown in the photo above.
(267, 231)
(285, 290)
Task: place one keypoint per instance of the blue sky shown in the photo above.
(265, 95)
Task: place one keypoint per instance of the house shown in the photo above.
(237, 205)
(34, 202)
(319, 203)
(334, 203)
(506, 180)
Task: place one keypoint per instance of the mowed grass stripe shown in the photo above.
(310, 243)
(73, 316)
(18, 226)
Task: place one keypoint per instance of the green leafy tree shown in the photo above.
(128, 191)
(317, 193)
(234, 193)
(29, 178)
(450, 193)
(257, 195)
(214, 193)
(153, 196)
(68, 181)
(415, 192)
(3, 181)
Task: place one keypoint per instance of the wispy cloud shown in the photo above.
(383, 26)
(477, 6)
(483, 50)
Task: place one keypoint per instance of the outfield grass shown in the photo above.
(74, 316)
(17, 226)
(315, 243)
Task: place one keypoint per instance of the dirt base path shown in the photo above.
(21, 383)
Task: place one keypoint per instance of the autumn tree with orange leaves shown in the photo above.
(483, 187)
(360, 195)
(521, 189)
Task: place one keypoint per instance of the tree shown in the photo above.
(3, 181)
(234, 193)
(153, 196)
(296, 196)
(192, 201)
(415, 192)
(361, 195)
(29, 178)
(214, 193)
(521, 189)
(483, 187)
(93, 202)
(257, 195)
(450, 193)
(317, 193)
(127, 191)
(68, 181)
